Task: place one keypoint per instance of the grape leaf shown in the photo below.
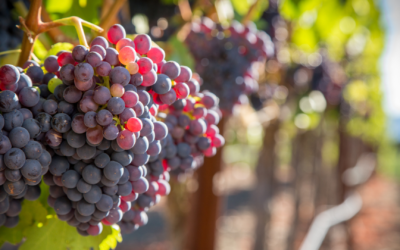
(58, 235)
(58, 47)
(32, 212)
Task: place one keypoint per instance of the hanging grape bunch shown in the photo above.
(93, 109)
(216, 50)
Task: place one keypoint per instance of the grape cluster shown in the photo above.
(23, 160)
(216, 50)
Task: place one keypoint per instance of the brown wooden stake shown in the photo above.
(202, 235)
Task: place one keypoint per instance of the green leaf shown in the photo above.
(58, 235)
(178, 51)
(58, 6)
(32, 212)
(58, 47)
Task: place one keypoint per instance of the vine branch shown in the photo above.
(107, 21)
(247, 18)
(33, 26)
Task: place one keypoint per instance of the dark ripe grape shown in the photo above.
(32, 193)
(105, 203)
(94, 195)
(144, 97)
(57, 180)
(99, 41)
(182, 90)
(67, 73)
(102, 160)
(86, 152)
(19, 137)
(65, 58)
(70, 179)
(183, 120)
(116, 33)
(124, 189)
(144, 201)
(171, 69)
(61, 122)
(62, 205)
(124, 178)
(108, 183)
(45, 158)
(65, 107)
(8, 101)
(58, 165)
(140, 186)
(90, 119)
(50, 107)
(126, 114)
(111, 56)
(103, 69)
(111, 132)
(82, 218)
(71, 94)
(199, 112)
(14, 158)
(51, 64)
(126, 139)
(130, 87)
(174, 162)
(83, 226)
(79, 53)
(154, 148)
(5, 144)
(14, 188)
(120, 75)
(13, 119)
(59, 92)
(91, 174)
(197, 127)
(44, 120)
(104, 145)
(194, 86)
(101, 95)
(94, 59)
(83, 86)
(29, 96)
(142, 44)
(24, 81)
(83, 187)
(209, 100)
(113, 171)
(104, 117)
(83, 72)
(136, 79)
(12, 175)
(4, 205)
(218, 141)
(99, 49)
(139, 109)
(160, 130)
(31, 169)
(115, 147)
(149, 78)
(148, 127)
(27, 64)
(79, 166)
(66, 217)
(162, 85)
(169, 97)
(9, 74)
(140, 159)
(35, 73)
(73, 194)
(38, 108)
(32, 150)
(115, 216)
(123, 158)
(78, 124)
(141, 146)
(134, 173)
(87, 104)
(116, 105)
(26, 113)
(11, 222)
(94, 135)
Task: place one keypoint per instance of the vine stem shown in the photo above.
(247, 18)
(107, 21)
(33, 26)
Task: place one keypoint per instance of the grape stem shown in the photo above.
(33, 26)
(107, 21)
(118, 122)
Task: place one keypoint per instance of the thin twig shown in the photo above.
(248, 17)
(185, 10)
(107, 21)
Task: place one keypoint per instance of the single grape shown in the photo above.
(103, 69)
(99, 41)
(156, 54)
(126, 55)
(9, 74)
(79, 53)
(142, 44)
(99, 49)
(116, 33)
(117, 90)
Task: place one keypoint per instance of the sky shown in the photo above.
(390, 66)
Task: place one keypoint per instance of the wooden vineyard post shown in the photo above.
(206, 206)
